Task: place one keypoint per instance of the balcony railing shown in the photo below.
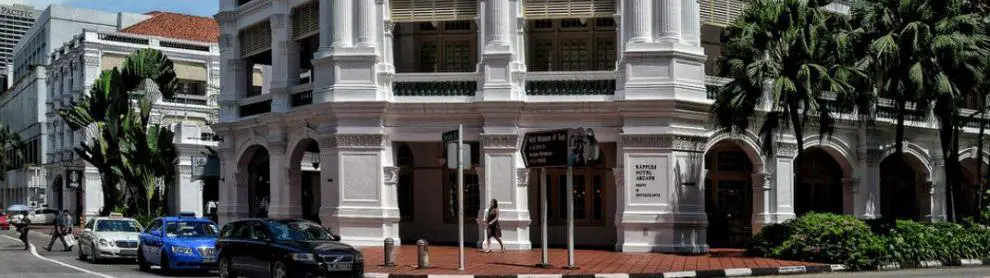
(435, 84)
(887, 109)
(302, 95)
(571, 83)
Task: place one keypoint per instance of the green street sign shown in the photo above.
(450, 136)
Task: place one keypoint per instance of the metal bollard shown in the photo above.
(389, 252)
(424, 258)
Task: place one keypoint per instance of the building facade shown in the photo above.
(15, 20)
(349, 132)
(23, 106)
(66, 73)
(76, 184)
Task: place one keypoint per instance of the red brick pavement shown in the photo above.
(443, 260)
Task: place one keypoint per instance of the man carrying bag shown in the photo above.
(59, 232)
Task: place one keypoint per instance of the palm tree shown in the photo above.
(787, 52)
(923, 52)
(110, 120)
(9, 140)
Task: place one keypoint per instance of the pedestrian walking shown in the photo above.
(494, 231)
(23, 225)
(59, 231)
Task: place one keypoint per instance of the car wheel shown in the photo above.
(166, 264)
(94, 256)
(279, 270)
(82, 256)
(225, 269)
(142, 263)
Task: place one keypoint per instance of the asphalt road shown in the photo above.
(42, 263)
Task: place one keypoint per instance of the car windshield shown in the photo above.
(118, 226)
(298, 230)
(190, 229)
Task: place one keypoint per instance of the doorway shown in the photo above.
(820, 187)
(728, 196)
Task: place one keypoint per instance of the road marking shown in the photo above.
(34, 252)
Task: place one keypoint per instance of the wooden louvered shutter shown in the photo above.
(306, 20)
(256, 39)
(551, 9)
(720, 12)
(433, 10)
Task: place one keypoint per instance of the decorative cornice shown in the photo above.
(689, 143)
(508, 141)
(522, 177)
(665, 141)
(355, 141)
(787, 149)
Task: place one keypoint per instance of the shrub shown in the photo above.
(843, 239)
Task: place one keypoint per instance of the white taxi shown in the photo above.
(109, 237)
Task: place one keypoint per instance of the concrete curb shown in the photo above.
(731, 272)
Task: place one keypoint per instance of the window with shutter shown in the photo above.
(720, 12)
(550, 9)
(446, 47)
(433, 10)
(256, 39)
(306, 20)
(572, 45)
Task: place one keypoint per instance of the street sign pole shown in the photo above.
(460, 196)
(570, 217)
(543, 216)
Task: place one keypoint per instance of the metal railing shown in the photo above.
(441, 84)
(564, 83)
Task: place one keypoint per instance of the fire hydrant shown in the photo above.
(389, 252)
(424, 257)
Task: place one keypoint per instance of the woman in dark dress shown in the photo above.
(493, 229)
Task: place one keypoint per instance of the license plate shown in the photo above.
(209, 260)
(339, 267)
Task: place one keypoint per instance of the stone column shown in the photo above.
(285, 61)
(341, 23)
(690, 23)
(366, 24)
(326, 24)
(640, 20)
(366, 212)
(233, 203)
(285, 196)
(850, 186)
(669, 18)
(498, 23)
(506, 179)
(867, 198)
(783, 187)
(762, 200)
(235, 79)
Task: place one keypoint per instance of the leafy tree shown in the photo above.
(9, 140)
(124, 146)
(787, 52)
(926, 53)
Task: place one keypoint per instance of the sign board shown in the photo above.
(452, 155)
(11, 11)
(451, 136)
(73, 178)
(576, 147)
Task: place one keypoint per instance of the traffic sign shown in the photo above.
(450, 136)
(546, 148)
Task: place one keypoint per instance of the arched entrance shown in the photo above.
(901, 181)
(966, 197)
(256, 170)
(820, 187)
(58, 191)
(304, 177)
(728, 195)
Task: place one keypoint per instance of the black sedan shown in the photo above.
(285, 248)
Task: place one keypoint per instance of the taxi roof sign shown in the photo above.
(187, 214)
(116, 215)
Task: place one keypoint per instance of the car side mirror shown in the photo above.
(156, 233)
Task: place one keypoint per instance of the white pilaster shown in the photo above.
(285, 57)
(640, 16)
(234, 81)
(867, 197)
(342, 23)
(358, 193)
(691, 21)
(366, 23)
(762, 200)
(497, 25)
(783, 188)
(506, 180)
(497, 55)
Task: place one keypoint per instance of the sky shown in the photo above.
(193, 7)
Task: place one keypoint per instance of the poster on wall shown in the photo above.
(646, 177)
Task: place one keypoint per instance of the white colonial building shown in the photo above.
(76, 64)
(349, 132)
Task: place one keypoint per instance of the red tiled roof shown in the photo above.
(177, 26)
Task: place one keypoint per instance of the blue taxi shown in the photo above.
(183, 242)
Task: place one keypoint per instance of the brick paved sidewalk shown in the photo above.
(443, 260)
